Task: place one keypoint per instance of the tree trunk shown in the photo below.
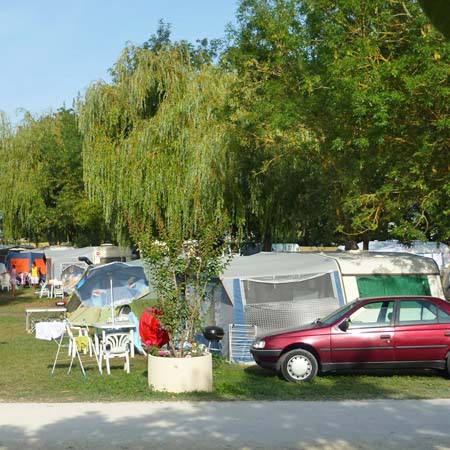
(366, 243)
(267, 241)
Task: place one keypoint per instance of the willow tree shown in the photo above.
(155, 155)
(20, 198)
(42, 195)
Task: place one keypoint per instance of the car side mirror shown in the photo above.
(343, 326)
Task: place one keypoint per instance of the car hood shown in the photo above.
(305, 327)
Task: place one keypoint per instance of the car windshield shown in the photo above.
(336, 315)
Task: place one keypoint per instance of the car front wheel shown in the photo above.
(298, 365)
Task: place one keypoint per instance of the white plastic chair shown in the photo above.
(6, 281)
(58, 290)
(115, 345)
(45, 290)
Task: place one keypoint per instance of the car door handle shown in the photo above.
(385, 336)
(447, 333)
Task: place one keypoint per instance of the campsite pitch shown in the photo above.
(27, 363)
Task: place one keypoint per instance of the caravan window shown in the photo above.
(288, 288)
(381, 285)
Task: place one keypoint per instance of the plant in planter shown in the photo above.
(180, 272)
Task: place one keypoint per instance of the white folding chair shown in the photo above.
(79, 344)
(115, 345)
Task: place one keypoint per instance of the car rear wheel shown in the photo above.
(298, 365)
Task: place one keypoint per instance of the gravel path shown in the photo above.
(352, 425)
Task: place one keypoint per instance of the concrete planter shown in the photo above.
(180, 374)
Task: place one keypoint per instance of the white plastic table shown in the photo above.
(117, 326)
(30, 311)
(51, 287)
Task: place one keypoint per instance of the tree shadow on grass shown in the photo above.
(25, 298)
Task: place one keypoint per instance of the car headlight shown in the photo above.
(259, 344)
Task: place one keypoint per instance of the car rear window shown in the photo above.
(416, 312)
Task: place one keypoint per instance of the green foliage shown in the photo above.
(155, 156)
(43, 196)
(279, 166)
(203, 53)
(378, 81)
(340, 117)
(154, 149)
(22, 205)
(181, 273)
(324, 121)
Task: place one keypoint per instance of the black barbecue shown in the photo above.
(214, 335)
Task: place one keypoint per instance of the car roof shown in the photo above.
(404, 297)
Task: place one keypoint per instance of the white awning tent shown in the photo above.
(64, 264)
(273, 264)
(63, 256)
(281, 290)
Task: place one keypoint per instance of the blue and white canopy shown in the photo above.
(112, 284)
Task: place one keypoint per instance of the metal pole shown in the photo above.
(112, 298)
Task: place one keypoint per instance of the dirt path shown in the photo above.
(362, 425)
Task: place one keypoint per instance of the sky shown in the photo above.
(52, 50)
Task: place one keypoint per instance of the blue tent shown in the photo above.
(112, 284)
(23, 260)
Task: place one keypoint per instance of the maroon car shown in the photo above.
(384, 332)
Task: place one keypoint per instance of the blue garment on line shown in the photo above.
(137, 337)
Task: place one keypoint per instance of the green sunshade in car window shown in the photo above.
(376, 286)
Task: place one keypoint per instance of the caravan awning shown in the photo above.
(278, 264)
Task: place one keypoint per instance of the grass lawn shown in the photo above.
(26, 363)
